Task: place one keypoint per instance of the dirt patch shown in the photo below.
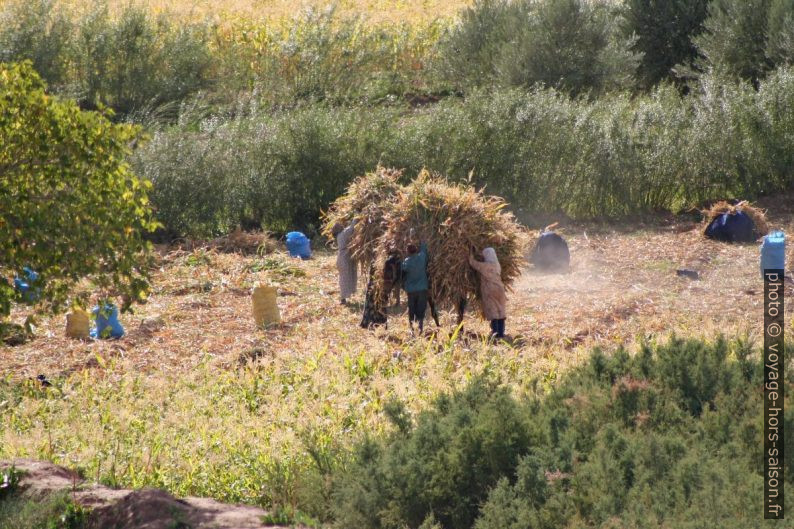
(623, 287)
(144, 509)
(127, 509)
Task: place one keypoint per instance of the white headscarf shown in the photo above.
(489, 255)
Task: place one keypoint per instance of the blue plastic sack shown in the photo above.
(24, 284)
(107, 322)
(298, 245)
(773, 252)
(551, 253)
(737, 227)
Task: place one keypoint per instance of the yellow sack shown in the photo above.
(265, 306)
(77, 323)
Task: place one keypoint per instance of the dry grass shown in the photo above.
(238, 241)
(377, 11)
(454, 221)
(197, 400)
(367, 200)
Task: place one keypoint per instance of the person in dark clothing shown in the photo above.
(551, 253)
(374, 313)
(415, 283)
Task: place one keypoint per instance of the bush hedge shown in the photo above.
(668, 438)
(546, 153)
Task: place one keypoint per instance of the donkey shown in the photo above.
(392, 284)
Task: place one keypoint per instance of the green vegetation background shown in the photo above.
(670, 437)
(563, 106)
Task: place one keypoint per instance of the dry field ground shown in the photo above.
(622, 289)
(196, 400)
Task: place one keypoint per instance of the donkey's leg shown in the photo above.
(461, 309)
(433, 311)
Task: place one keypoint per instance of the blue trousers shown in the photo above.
(417, 305)
(498, 328)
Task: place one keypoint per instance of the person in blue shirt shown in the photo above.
(415, 283)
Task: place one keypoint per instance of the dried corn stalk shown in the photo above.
(454, 220)
(366, 200)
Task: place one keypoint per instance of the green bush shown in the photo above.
(666, 438)
(443, 466)
(664, 31)
(470, 50)
(38, 31)
(780, 39)
(734, 40)
(545, 152)
(275, 171)
(571, 45)
(53, 511)
(135, 61)
(130, 61)
(9, 482)
(747, 38)
(71, 206)
(614, 156)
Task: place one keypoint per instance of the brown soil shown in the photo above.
(140, 509)
(623, 285)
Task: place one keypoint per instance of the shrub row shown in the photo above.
(667, 438)
(138, 62)
(129, 62)
(546, 153)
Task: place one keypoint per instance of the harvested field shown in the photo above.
(622, 287)
(199, 402)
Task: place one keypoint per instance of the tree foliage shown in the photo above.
(135, 61)
(780, 41)
(746, 39)
(38, 31)
(664, 30)
(734, 40)
(71, 207)
(571, 45)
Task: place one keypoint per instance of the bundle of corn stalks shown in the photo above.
(245, 242)
(238, 241)
(454, 221)
(756, 215)
(366, 201)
